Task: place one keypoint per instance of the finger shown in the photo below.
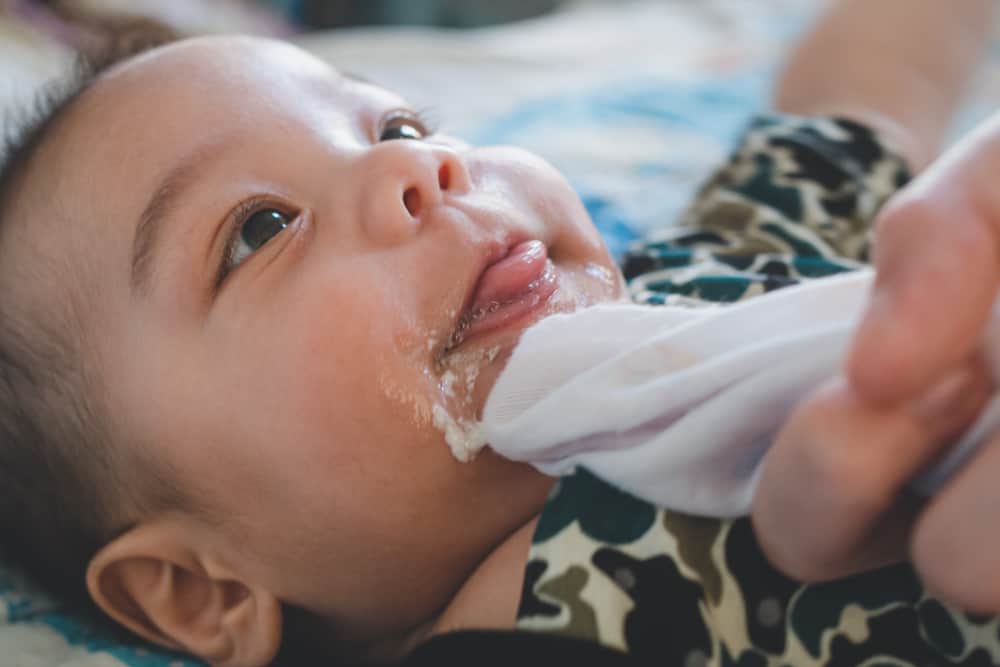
(829, 501)
(956, 544)
(937, 273)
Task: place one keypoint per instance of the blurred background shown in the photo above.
(36, 33)
(318, 14)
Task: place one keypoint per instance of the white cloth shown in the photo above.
(678, 405)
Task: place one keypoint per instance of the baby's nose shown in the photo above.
(406, 180)
(414, 201)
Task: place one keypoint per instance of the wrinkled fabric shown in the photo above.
(676, 405)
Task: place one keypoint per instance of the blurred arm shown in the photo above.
(899, 66)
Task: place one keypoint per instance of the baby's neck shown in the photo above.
(489, 598)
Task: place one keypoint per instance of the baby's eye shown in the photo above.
(253, 232)
(403, 125)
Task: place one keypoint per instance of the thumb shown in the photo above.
(938, 268)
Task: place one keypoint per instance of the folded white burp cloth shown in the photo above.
(678, 405)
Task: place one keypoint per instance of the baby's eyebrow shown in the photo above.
(165, 196)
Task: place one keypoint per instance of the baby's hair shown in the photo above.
(60, 487)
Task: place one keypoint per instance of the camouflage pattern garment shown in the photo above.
(795, 202)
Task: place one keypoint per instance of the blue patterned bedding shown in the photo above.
(629, 193)
(633, 136)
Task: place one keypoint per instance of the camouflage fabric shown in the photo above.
(795, 202)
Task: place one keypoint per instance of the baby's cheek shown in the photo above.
(411, 406)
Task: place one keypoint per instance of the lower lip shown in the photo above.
(530, 279)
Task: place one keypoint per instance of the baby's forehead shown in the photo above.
(142, 116)
(99, 165)
(234, 63)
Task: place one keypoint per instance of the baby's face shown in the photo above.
(289, 265)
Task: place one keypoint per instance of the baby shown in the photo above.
(249, 300)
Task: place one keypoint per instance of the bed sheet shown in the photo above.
(633, 101)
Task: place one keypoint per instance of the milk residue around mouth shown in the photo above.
(448, 383)
(464, 437)
(457, 337)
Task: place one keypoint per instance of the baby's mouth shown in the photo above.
(507, 291)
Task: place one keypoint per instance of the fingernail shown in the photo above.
(945, 399)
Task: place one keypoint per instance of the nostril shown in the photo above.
(444, 177)
(411, 199)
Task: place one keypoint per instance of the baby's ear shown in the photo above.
(152, 581)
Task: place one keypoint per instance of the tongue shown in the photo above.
(511, 276)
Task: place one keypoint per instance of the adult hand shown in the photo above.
(831, 499)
